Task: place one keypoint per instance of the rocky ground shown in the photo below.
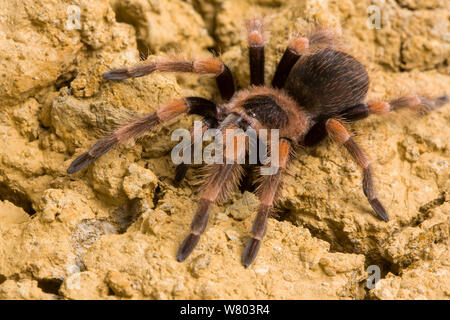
(112, 231)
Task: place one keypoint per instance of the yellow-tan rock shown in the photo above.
(112, 230)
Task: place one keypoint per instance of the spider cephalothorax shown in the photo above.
(315, 88)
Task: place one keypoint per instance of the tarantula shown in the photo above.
(316, 87)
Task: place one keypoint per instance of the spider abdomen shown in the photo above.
(327, 81)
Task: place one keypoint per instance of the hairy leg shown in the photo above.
(256, 51)
(139, 126)
(220, 181)
(182, 168)
(338, 133)
(267, 190)
(214, 67)
(289, 58)
(416, 103)
(297, 47)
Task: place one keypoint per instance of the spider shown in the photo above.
(316, 87)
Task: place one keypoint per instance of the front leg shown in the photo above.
(220, 181)
(338, 133)
(213, 67)
(182, 168)
(267, 190)
(139, 126)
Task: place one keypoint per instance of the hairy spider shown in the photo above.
(315, 88)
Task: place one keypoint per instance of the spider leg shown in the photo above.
(256, 51)
(417, 103)
(137, 127)
(358, 112)
(338, 133)
(297, 47)
(215, 67)
(316, 134)
(289, 58)
(221, 180)
(318, 131)
(267, 190)
(182, 168)
(362, 110)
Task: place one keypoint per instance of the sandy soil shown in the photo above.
(112, 231)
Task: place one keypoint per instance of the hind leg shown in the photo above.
(297, 47)
(338, 133)
(416, 103)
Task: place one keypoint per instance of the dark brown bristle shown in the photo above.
(268, 191)
(217, 179)
(337, 131)
(357, 153)
(429, 104)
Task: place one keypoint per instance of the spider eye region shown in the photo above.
(266, 110)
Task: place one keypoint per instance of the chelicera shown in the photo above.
(316, 87)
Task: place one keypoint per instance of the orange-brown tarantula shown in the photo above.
(314, 89)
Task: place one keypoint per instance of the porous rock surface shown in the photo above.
(112, 230)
